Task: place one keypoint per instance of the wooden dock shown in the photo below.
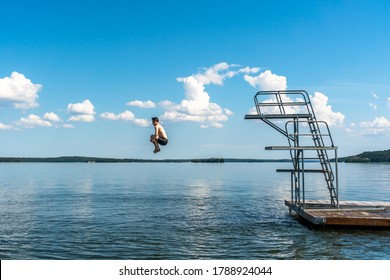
(349, 214)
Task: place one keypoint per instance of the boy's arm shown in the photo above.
(156, 131)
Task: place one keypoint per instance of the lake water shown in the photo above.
(176, 211)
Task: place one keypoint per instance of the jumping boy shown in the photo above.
(159, 136)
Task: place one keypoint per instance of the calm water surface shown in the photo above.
(176, 211)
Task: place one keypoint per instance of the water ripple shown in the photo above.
(138, 211)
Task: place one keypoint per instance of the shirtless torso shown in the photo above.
(160, 131)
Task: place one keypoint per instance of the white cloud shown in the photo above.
(379, 126)
(373, 106)
(5, 126)
(374, 95)
(217, 73)
(125, 116)
(216, 125)
(249, 70)
(83, 108)
(324, 111)
(18, 91)
(67, 125)
(82, 118)
(197, 107)
(228, 112)
(142, 122)
(108, 116)
(167, 104)
(52, 117)
(82, 112)
(142, 104)
(33, 121)
(213, 74)
(267, 81)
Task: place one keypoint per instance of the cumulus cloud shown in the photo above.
(83, 112)
(5, 126)
(82, 118)
(142, 104)
(33, 121)
(197, 105)
(324, 111)
(83, 108)
(214, 75)
(52, 117)
(267, 81)
(19, 92)
(125, 116)
(379, 126)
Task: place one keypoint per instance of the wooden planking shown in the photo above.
(351, 213)
(354, 217)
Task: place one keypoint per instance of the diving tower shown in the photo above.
(309, 140)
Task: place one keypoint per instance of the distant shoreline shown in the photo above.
(82, 159)
(366, 157)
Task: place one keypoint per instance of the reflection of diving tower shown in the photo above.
(290, 112)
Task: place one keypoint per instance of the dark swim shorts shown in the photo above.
(162, 141)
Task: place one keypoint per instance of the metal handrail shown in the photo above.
(279, 100)
(327, 134)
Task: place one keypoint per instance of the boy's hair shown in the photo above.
(155, 119)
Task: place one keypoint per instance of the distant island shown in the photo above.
(374, 156)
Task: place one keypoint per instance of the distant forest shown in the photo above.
(376, 156)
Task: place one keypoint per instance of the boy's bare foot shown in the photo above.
(156, 150)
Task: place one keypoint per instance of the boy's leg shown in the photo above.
(155, 143)
(156, 147)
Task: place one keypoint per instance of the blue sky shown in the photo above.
(84, 77)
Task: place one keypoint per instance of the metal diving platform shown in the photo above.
(290, 112)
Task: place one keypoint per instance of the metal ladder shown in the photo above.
(305, 136)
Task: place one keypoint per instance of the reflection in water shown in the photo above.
(173, 211)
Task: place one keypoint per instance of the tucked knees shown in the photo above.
(152, 138)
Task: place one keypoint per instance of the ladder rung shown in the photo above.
(308, 134)
(301, 170)
(300, 148)
(266, 104)
(276, 116)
